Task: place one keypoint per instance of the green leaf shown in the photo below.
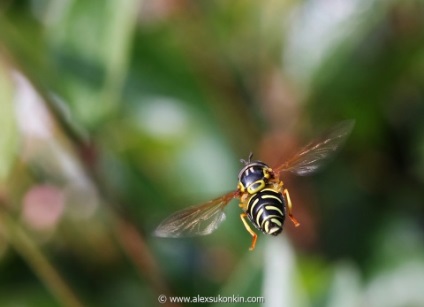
(8, 129)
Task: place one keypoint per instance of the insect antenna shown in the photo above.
(248, 161)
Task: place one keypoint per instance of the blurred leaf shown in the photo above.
(92, 43)
(8, 129)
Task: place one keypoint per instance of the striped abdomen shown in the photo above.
(266, 210)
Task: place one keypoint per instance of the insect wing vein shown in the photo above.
(197, 220)
(313, 155)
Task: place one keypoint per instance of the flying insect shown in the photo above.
(262, 195)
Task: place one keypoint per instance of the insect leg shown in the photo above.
(289, 206)
(252, 233)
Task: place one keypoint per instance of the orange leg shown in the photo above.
(252, 233)
(289, 206)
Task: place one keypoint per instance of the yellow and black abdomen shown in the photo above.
(267, 210)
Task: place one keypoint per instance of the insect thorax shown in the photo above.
(254, 177)
(267, 210)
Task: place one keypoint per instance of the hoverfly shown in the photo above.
(262, 195)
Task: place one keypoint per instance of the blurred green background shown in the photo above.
(114, 114)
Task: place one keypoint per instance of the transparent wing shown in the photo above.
(313, 155)
(197, 220)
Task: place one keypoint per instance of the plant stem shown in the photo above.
(39, 263)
